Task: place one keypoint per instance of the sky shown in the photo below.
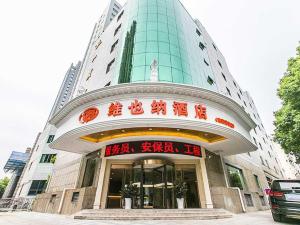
(40, 39)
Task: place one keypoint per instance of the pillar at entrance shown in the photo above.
(97, 202)
(208, 200)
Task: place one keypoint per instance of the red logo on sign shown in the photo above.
(88, 115)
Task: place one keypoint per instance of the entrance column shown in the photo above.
(97, 202)
(208, 200)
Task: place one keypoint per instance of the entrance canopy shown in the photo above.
(156, 111)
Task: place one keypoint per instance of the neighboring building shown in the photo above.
(40, 165)
(15, 165)
(155, 102)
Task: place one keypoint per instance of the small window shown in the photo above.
(37, 187)
(198, 32)
(48, 158)
(117, 30)
(206, 62)
(248, 199)
(220, 64)
(241, 92)
(120, 16)
(234, 83)
(260, 146)
(210, 80)
(114, 46)
(50, 138)
(97, 45)
(75, 197)
(239, 96)
(262, 200)
(108, 84)
(257, 181)
(254, 139)
(52, 199)
(224, 77)
(110, 65)
(228, 91)
(201, 45)
(214, 46)
(95, 57)
(262, 160)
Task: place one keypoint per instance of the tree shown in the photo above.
(3, 184)
(287, 118)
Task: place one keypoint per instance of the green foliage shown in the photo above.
(129, 191)
(287, 119)
(235, 180)
(3, 184)
(180, 188)
(126, 63)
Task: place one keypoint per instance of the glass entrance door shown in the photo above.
(155, 180)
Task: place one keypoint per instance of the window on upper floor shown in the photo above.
(48, 158)
(224, 77)
(95, 57)
(210, 80)
(198, 32)
(120, 16)
(98, 44)
(214, 46)
(109, 66)
(239, 96)
(245, 104)
(220, 64)
(260, 146)
(114, 46)
(117, 29)
(201, 45)
(206, 62)
(241, 92)
(228, 91)
(254, 139)
(262, 160)
(257, 181)
(108, 84)
(75, 197)
(267, 163)
(234, 84)
(37, 187)
(270, 154)
(50, 138)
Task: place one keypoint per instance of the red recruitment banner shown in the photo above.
(160, 147)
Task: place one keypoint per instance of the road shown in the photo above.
(33, 218)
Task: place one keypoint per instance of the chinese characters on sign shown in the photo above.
(224, 122)
(158, 107)
(139, 147)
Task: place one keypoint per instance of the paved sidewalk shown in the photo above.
(33, 218)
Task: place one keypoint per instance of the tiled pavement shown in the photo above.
(32, 218)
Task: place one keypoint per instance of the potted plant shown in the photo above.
(128, 192)
(180, 191)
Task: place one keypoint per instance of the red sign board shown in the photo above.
(160, 147)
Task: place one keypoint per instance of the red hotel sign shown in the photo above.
(158, 107)
(160, 147)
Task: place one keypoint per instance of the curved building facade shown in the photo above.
(155, 103)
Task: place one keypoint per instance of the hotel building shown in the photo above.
(154, 102)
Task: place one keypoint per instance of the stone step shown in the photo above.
(152, 214)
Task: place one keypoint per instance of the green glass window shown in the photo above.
(152, 46)
(138, 74)
(165, 74)
(140, 47)
(164, 47)
(139, 59)
(151, 35)
(164, 59)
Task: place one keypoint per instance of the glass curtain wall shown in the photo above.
(165, 32)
